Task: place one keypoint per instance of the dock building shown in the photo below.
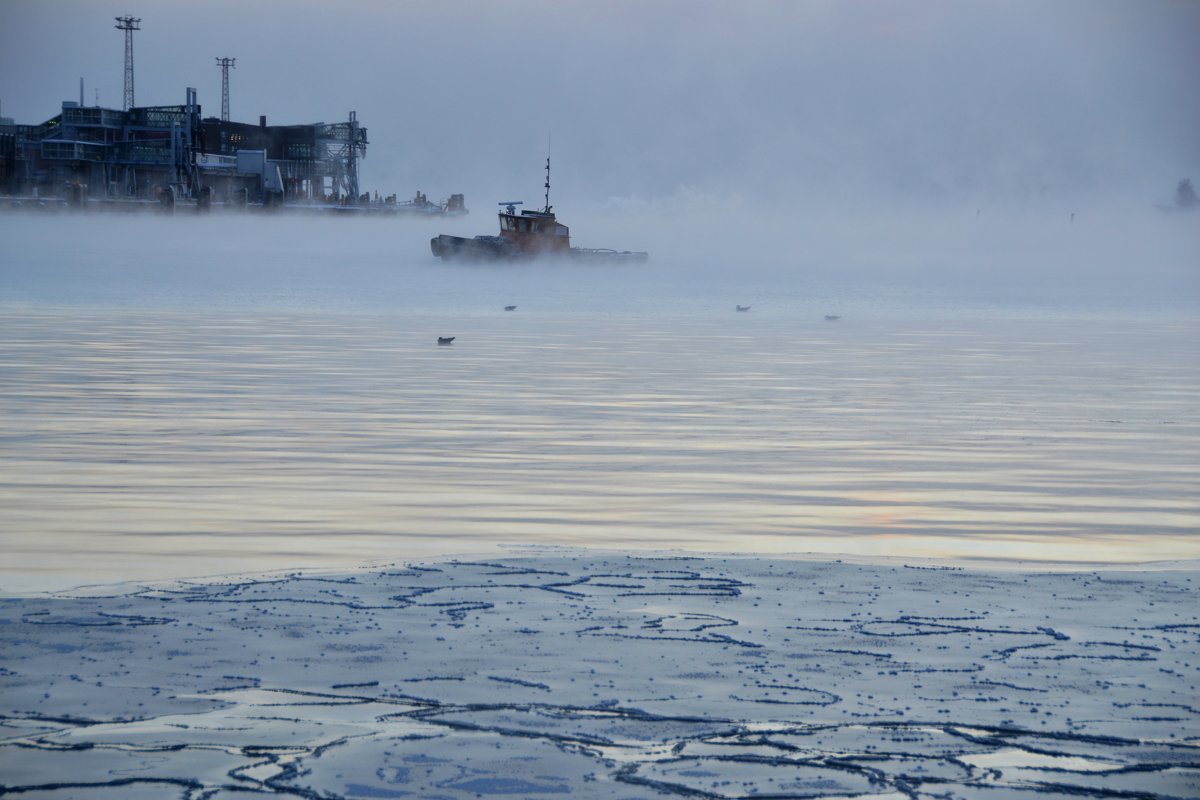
(169, 154)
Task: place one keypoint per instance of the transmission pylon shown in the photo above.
(225, 64)
(129, 25)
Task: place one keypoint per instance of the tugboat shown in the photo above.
(525, 236)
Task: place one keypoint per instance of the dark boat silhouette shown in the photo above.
(445, 339)
(525, 236)
(742, 308)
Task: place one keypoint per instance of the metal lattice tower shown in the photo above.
(225, 64)
(129, 25)
(352, 159)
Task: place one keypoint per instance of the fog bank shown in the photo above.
(707, 254)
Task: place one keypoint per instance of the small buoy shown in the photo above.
(510, 308)
(445, 339)
(742, 308)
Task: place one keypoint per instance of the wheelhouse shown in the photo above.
(534, 231)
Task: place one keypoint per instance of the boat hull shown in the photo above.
(497, 248)
(479, 248)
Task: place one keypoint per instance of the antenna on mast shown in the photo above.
(547, 208)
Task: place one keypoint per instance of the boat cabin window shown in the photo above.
(508, 224)
(560, 230)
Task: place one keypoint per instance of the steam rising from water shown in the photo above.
(707, 253)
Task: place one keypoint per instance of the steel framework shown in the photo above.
(340, 145)
(129, 25)
(225, 64)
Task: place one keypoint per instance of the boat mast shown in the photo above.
(547, 208)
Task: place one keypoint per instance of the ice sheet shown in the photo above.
(583, 674)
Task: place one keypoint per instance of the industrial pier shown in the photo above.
(165, 157)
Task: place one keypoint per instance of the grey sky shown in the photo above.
(928, 101)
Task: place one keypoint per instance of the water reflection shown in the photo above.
(155, 444)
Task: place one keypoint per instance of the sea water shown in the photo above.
(245, 394)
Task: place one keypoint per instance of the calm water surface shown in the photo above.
(186, 396)
(143, 443)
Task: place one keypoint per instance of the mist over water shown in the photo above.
(706, 256)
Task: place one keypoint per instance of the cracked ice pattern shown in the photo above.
(609, 677)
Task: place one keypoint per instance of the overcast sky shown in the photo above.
(931, 101)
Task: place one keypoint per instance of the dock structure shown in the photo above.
(311, 163)
(169, 155)
(173, 153)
